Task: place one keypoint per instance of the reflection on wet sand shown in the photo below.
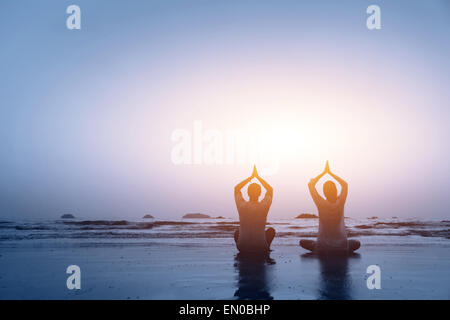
(254, 278)
(335, 282)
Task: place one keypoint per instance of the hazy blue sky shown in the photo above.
(86, 116)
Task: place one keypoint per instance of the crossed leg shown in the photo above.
(310, 245)
(270, 234)
(353, 245)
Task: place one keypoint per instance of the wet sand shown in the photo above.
(209, 270)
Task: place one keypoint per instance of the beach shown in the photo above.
(206, 267)
(138, 137)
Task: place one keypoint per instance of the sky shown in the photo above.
(146, 108)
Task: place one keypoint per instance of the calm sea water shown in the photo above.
(371, 231)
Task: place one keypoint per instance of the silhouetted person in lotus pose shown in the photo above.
(332, 235)
(252, 235)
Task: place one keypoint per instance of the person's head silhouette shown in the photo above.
(330, 191)
(254, 191)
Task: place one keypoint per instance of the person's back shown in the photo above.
(252, 236)
(332, 235)
(252, 223)
(332, 232)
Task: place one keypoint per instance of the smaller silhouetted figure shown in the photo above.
(332, 235)
(252, 235)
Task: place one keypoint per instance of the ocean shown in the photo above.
(370, 231)
(197, 259)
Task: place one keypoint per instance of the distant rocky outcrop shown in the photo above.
(67, 216)
(220, 217)
(307, 216)
(373, 218)
(148, 216)
(196, 216)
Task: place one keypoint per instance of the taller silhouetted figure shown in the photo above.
(332, 236)
(252, 235)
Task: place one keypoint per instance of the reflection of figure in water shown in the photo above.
(332, 234)
(335, 281)
(253, 282)
(252, 236)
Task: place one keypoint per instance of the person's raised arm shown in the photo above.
(240, 185)
(312, 185)
(268, 187)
